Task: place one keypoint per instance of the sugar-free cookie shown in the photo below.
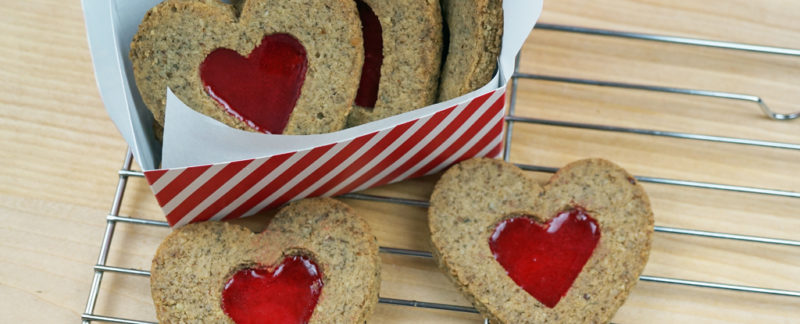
(402, 45)
(475, 35)
(316, 262)
(567, 252)
(289, 67)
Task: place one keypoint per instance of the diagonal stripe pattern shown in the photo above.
(423, 146)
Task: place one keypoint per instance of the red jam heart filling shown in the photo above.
(285, 294)
(545, 259)
(367, 93)
(261, 89)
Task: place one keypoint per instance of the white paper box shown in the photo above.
(210, 171)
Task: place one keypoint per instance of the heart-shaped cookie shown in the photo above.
(568, 252)
(289, 67)
(316, 262)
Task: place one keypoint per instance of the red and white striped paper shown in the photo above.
(418, 147)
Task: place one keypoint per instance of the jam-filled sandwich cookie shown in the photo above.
(272, 66)
(402, 48)
(316, 262)
(475, 31)
(568, 252)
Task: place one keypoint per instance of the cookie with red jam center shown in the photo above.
(316, 262)
(279, 67)
(569, 251)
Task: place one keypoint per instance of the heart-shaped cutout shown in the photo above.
(487, 216)
(316, 262)
(286, 294)
(261, 89)
(545, 259)
(300, 60)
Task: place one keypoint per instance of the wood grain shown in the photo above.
(59, 155)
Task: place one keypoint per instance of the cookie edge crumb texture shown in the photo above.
(471, 60)
(412, 54)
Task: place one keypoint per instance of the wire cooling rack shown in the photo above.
(125, 173)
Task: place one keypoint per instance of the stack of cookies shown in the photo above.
(310, 67)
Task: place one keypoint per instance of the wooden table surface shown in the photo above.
(59, 154)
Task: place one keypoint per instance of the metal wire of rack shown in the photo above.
(113, 218)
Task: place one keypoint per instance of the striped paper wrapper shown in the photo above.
(411, 149)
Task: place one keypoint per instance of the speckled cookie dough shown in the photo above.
(472, 197)
(412, 47)
(176, 36)
(194, 262)
(476, 32)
